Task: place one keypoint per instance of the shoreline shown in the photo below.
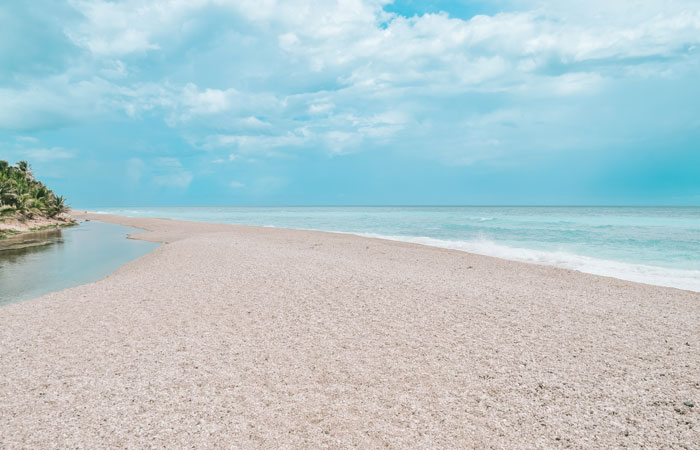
(43, 262)
(454, 245)
(11, 227)
(256, 336)
(450, 245)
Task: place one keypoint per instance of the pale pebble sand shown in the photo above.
(244, 337)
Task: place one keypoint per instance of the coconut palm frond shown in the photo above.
(21, 195)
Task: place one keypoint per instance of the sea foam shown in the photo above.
(641, 273)
(654, 245)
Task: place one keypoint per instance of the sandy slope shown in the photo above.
(265, 338)
(27, 225)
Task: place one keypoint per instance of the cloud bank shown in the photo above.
(242, 86)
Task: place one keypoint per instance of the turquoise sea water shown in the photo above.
(50, 261)
(656, 245)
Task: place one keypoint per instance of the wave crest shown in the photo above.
(640, 273)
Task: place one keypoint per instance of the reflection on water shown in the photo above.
(38, 263)
(16, 246)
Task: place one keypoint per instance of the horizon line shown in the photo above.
(402, 206)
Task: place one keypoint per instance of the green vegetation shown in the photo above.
(23, 197)
(5, 233)
(52, 227)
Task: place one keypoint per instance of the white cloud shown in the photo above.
(575, 83)
(321, 107)
(344, 76)
(437, 49)
(47, 154)
(348, 36)
(208, 101)
(31, 139)
(121, 28)
(261, 143)
(53, 101)
(254, 123)
(114, 69)
(236, 185)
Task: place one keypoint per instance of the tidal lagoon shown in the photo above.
(38, 263)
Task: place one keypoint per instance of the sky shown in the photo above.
(354, 102)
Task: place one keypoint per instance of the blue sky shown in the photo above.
(265, 102)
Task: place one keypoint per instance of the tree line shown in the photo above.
(24, 197)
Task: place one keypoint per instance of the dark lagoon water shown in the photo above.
(39, 263)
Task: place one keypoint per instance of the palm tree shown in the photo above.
(56, 205)
(24, 166)
(7, 211)
(22, 196)
(7, 192)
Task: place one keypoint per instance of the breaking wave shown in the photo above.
(641, 273)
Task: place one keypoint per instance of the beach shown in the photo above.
(252, 337)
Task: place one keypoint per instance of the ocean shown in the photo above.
(655, 245)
